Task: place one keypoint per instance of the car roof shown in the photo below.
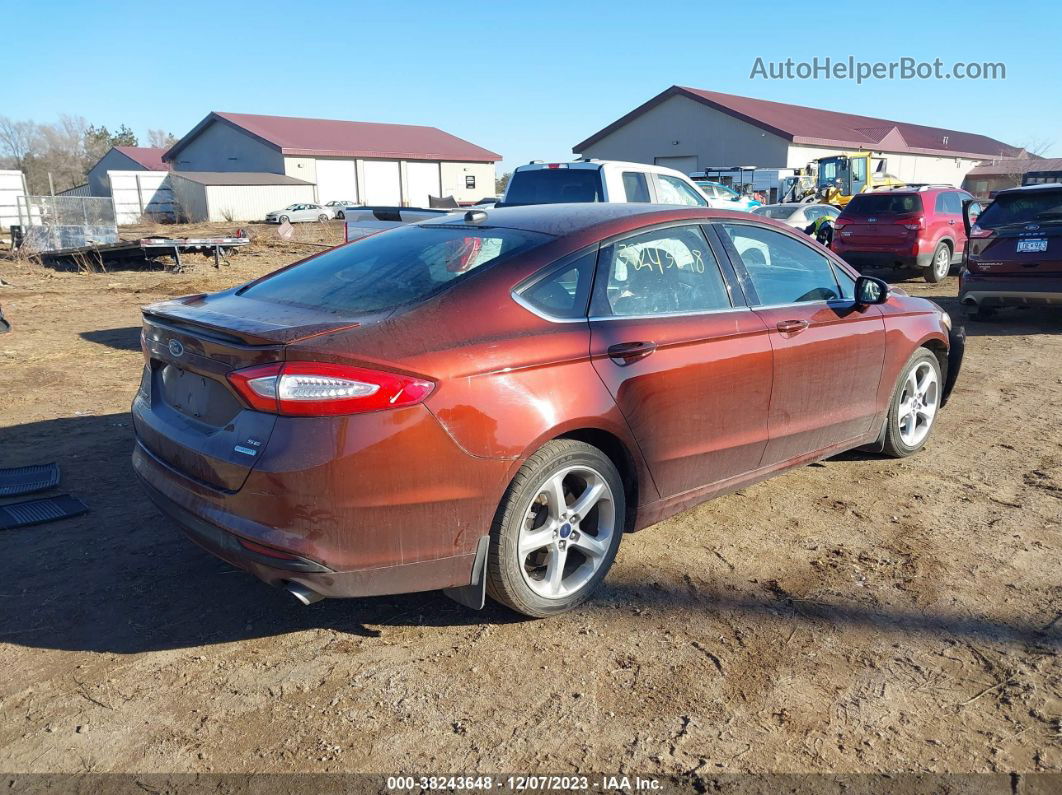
(1023, 188)
(594, 163)
(563, 219)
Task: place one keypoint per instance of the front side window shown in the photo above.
(660, 272)
(783, 270)
(635, 186)
(671, 190)
(393, 268)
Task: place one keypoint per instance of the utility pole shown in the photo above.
(51, 183)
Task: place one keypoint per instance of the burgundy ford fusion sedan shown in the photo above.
(485, 403)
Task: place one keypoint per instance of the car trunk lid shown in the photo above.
(195, 422)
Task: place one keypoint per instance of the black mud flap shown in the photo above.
(474, 595)
(25, 480)
(4, 325)
(48, 509)
(956, 350)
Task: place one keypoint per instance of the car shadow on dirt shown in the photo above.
(123, 579)
(126, 338)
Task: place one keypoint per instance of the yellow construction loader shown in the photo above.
(837, 178)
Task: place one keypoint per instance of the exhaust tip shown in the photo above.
(302, 593)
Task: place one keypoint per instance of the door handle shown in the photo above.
(792, 326)
(951, 221)
(626, 352)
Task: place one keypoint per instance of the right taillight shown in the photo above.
(912, 224)
(977, 231)
(315, 389)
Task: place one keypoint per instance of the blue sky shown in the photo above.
(528, 80)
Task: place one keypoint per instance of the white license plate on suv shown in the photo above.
(1032, 246)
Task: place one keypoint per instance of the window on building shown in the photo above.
(470, 181)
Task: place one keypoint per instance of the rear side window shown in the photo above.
(661, 272)
(1035, 206)
(554, 186)
(564, 291)
(671, 190)
(636, 187)
(949, 203)
(393, 268)
(881, 203)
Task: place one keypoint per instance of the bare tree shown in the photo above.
(161, 139)
(18, 140)
(1031, 151)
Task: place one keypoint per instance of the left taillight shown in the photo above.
(315, 389)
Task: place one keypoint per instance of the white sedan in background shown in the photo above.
(337, 208)
(295, 213)
(797, 214)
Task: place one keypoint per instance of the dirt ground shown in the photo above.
(862, 614)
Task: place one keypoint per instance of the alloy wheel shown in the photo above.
(566, 531)
(942, 263)
(919, 401)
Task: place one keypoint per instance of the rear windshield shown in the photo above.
(393, 268)
(881, 203)
(1040, 206)
(773, 212)
(554, 185)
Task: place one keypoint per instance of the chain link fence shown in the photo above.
(56, 223)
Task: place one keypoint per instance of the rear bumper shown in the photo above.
(368, 504)
(427, 575)
(989, 291)
(883, 259)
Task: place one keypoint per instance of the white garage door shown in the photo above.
(686, 163)
(382, 183)
(422, 179)
(336, 181)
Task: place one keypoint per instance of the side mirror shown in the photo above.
(869, 290)
(971, 209)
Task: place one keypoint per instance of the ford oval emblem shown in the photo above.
(1032, 227)
(176, 348)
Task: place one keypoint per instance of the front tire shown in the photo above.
(340, 216)
(557, 530)
(940, 266)
(323, 218)
(915, 405)
(283, 220)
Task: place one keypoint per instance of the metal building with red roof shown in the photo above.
(359, 162)
(692, 129)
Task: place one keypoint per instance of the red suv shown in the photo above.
(905, 228)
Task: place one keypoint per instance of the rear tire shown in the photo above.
(323, 217)
(940, 265)
(340, 216)
(557, 530)
(915, 405)
(283, 220)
